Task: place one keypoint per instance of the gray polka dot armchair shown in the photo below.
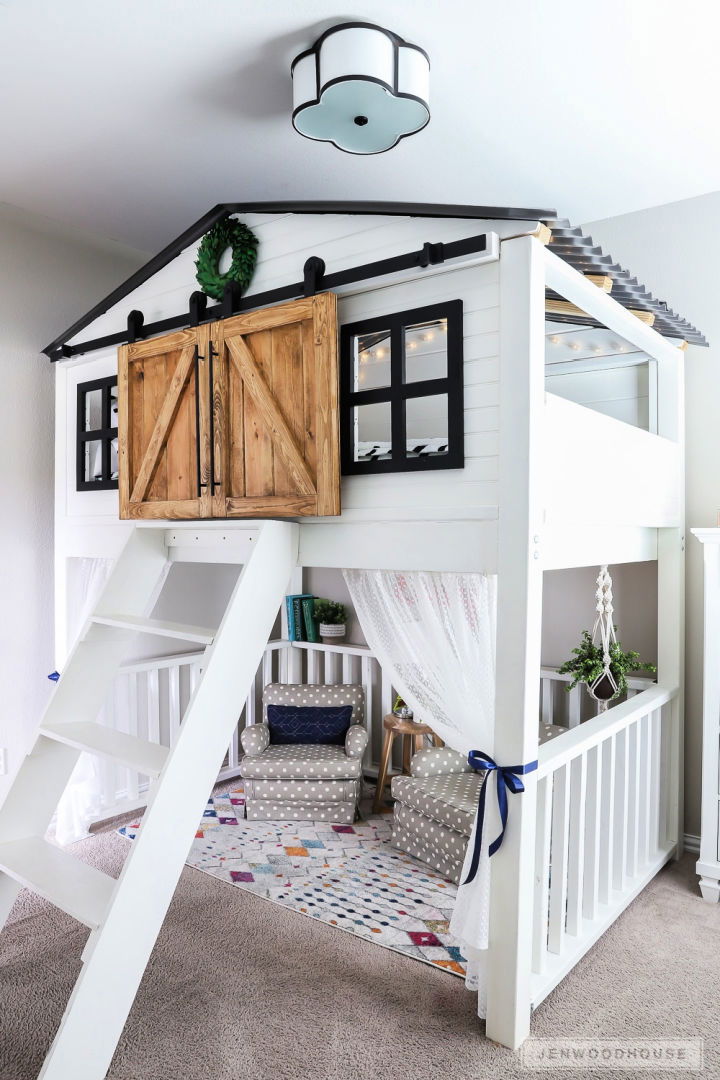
(304, 782)
(435, 806)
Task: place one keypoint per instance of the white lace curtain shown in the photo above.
(434, 633)
(80, 802)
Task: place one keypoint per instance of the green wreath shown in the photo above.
(225, 234)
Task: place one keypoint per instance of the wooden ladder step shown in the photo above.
(71, 885)
(200, 634)
(148, 758)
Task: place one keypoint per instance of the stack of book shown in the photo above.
(302, 625)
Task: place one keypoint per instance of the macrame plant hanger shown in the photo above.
(604, 635)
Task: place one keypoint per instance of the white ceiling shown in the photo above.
(133, 119)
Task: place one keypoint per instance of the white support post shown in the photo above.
(519, 622)
(708, 865)
(671, 585)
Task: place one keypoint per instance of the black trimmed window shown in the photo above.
(401, 391)
(96, 460)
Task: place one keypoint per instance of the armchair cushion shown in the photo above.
(255, 739)
(301, 763)
(451, 799)
(303, 724)
(355, 741)
(436, 761)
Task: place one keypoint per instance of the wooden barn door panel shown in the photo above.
(161, 462)
(281, 452)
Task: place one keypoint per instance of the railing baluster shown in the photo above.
(294, 664)
(607, 836)
(153, 706)
(173, 703)
(347, 674)
(267, 667)
(633, 815)
(313, 663)
(622, 781)
(331, 668)
(576, 844)
(367, 677)
(132, 779)
(542, 872)
(645, 785)
(655, 780)
(547, 711)
(575, 706)
(593, 828)
(559, 859)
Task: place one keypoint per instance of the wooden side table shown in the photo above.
(412, 734)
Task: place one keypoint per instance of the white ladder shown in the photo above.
(125, 916)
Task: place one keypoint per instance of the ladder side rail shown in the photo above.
(30, 802)
(116, 956)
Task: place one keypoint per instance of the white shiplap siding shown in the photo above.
(285, 242)
(474, 488)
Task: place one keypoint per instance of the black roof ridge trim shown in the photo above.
(201, 226)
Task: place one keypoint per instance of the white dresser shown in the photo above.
(708, 865)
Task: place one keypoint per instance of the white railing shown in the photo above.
(148, 699)
(605, 824)
(570, 708)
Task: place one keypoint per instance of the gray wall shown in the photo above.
(48, 277)
(568, 607)
(674, 250)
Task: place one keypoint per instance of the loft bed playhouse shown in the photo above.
(400, 389)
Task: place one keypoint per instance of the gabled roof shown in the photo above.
(201, 226)
(580, 251)
(568, 243)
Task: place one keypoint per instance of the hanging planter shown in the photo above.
(599, 661)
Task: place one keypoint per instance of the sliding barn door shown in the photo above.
(275, 421)
(164, 427)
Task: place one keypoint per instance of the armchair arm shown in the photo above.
(254, 739)
(437, 760)
(355, 741)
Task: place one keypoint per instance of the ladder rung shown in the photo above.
(148, 758)
(71, 885)
(200, 634)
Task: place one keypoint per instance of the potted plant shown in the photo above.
(588, 666)
(331, 618)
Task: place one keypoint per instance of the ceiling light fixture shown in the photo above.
(361, 88)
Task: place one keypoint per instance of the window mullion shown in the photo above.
(398, 424)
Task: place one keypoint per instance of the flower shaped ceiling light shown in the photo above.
(361, 88)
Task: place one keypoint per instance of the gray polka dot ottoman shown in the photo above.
(304, 782)
(435, 806)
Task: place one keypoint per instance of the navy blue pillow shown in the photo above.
(309, 724)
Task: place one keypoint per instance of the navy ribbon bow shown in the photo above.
(508, 780)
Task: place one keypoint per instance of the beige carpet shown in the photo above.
(241, 988)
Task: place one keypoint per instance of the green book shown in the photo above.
(311, 626)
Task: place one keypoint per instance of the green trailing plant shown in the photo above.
(587, 664)
(330, 612)
(226, 233)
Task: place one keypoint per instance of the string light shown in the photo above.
(380, 353)
(554, 340)
(575, 346)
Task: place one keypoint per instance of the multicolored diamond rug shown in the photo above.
(347, 876)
